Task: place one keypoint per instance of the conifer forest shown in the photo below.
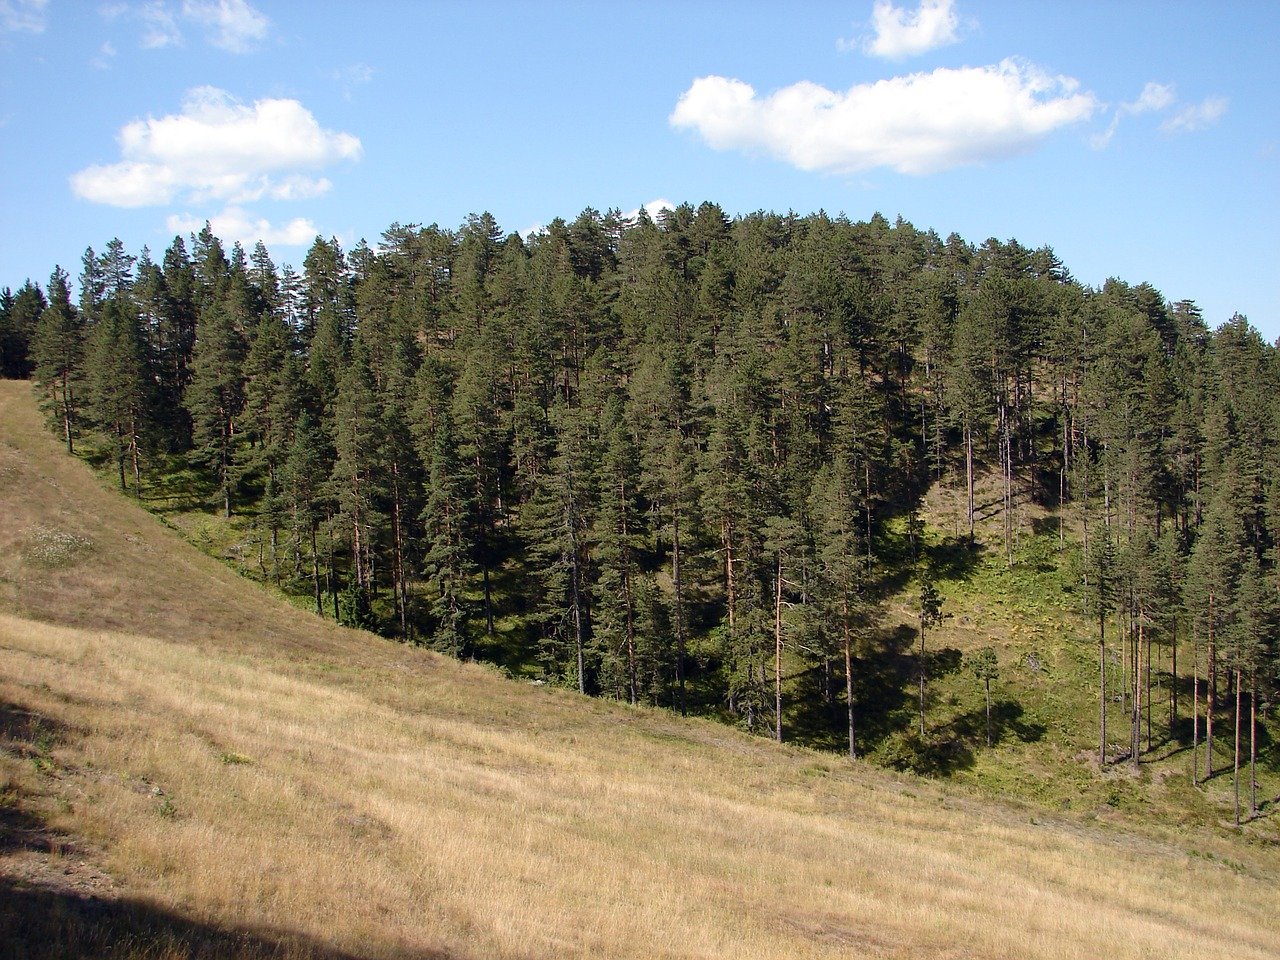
(685, 462)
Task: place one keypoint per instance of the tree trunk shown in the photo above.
(1148, 688)
(1253, 744)
(1211, 678)
(315, 571)
(730, 587)
(1173, 682)
(1235, 778)
(679, 608)
(987, 684)
(848, 678)
(922, 676)
(1135, 734)
(398, 564)
(968, 478)
(1195, 716)
(120, 456)
(777, 651)
(66, 411)
(1102, 690)
(133, 455)
(575, 584)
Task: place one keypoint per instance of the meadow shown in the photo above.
(190, 766)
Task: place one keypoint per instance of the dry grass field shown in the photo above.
(191, 767)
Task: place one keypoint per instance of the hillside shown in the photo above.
(191, 766)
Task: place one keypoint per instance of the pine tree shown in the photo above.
(1100, 595)
(930, 615)
(1211, 582)
(117, 385)
(447, 520)
(357, 480)
(215, 400)
(617, 531)
(985, 666)
(303, 491)
(1253, 621)
(57, 350)
(20, 319)
(559, 519)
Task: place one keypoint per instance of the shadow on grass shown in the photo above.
(951, 747)
(48, 924)
(955, 558)
(50, 914)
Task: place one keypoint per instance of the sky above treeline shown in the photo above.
(1139, 140)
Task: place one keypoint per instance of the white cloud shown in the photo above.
(900, 33)
(916, 124)
(104, 56)
(218, 148)
(23, 16)
(233, 223)
(159, 25)
(231, 25)
(1196, 116)
(653, 208)
(1154, 97)
(1158, 97)
(350, 77)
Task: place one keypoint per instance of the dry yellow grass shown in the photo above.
(244, 767)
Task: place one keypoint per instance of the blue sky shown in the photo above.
(1139, 140)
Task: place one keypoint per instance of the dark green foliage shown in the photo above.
(699, 462)
(118, 389)
(57, 354)
(215, 399)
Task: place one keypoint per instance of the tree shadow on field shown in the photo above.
(50, 909)
(951, 746)
(1007, 723)
(954, 558)
(47, 924)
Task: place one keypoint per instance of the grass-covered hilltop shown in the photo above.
(847, 486)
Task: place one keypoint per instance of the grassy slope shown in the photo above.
(1046, 696)
(222, 772)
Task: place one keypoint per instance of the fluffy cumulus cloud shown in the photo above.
(653, 208)
(898, 33)
(233, 223)
(916, 124)
(221, 149)
(23, 16)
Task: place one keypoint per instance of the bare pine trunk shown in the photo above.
(968, 477)
(1236, 765)
(848, 680)
(679, 608)
(987, 684)
(777, 651)
(1253, 745)
(922, 676)
(1135, 733)
(315, 571)
(1210, 692)
(1173, 682)
(1195, 717)
(1102, 690)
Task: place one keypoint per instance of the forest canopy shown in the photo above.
(656, 460)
